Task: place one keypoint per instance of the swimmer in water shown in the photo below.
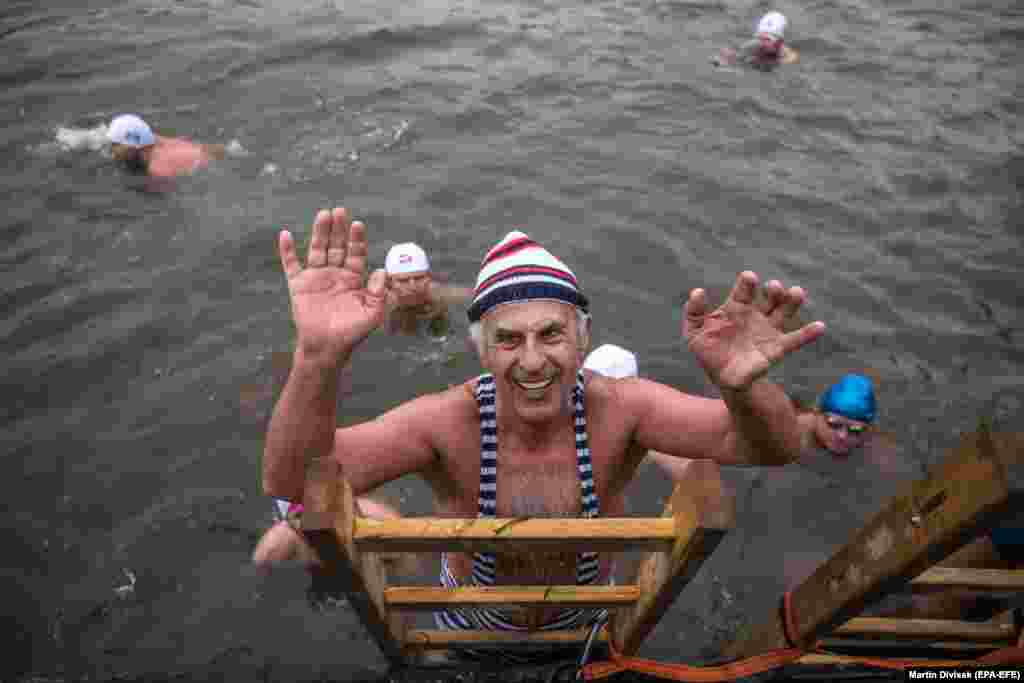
(766, 50)
(844, 416)
(283, 541)
(415, 301)
(134, 144)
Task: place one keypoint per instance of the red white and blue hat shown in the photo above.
(518, 269)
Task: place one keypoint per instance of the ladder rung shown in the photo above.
(439, 640)
(928, 629)
(997, 580)
(908, 644)
(433, 598)
(440, 534)
(886, 648)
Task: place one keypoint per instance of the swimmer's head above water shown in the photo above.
(846, 411)
(130, 137)
(612, 361)
(770, 33)
(408, 270)
(766, 50)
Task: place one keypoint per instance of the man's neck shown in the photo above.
(515, 432)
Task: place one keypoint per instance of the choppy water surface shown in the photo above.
(142, 330)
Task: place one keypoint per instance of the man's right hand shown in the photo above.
(333, 310)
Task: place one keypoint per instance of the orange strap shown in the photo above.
(777, 658)
(774, 659)
(690, 674)
(1007, 656)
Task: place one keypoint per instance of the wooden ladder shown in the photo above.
(349, 548)
(979, 484)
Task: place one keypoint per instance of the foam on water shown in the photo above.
(235, 149)
(82, 139)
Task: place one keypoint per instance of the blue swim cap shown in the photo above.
(852, 397)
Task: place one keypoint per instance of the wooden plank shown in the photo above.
(427, 639)
(423, 598)
(969, 649)
(441, 534)
(702, 518)
(913, 662)
(328, 521)
(990, 580)
(925, 629)
(963, 496)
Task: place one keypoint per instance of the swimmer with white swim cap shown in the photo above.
(766, 50)
(414, 298)
(134, 144)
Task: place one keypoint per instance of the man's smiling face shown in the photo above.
(534, 350)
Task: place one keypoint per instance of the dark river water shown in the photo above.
(143, 331)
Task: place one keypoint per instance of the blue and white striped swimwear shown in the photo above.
(587, 566)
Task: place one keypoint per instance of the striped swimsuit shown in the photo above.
(587, 566)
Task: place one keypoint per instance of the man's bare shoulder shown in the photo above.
(631, 391)
(623, 396)
(458, 400)
(408, 438)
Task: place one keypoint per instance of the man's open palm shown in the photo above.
(333, 310)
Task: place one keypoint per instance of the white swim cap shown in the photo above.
(612, 361)
(773, 24)
(129, 129)
(406, 258)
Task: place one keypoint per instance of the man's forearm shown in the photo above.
(765, 428)
(302, 425)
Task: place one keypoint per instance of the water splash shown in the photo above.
(82, 139)
(234, 148)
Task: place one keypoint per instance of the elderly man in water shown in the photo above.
(416, 301)
(534, 436)
(766, 50)
(134, 144)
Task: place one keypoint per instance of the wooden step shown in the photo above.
(441, 534)
(424, 598)
(926, 629)
(427, 639)
(979, 485)
(1000, 581)
(957, 648)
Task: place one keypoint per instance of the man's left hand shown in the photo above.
(740, 341)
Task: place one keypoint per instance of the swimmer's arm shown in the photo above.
(450, 295)
(726, 57)
(757, 426)
(731, 56)
(214, 151)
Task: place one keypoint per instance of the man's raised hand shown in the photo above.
(333, 309)
(738, 342)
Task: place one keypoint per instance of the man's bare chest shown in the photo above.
(538, 487)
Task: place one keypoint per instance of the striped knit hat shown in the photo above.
(518, 269)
